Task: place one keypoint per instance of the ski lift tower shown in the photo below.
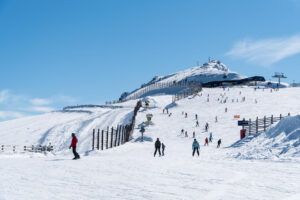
(279, 76)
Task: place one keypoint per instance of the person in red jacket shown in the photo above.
(73, 145)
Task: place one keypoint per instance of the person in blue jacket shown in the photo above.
(196, 147)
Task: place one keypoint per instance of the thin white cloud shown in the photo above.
(10, 114)
(40, 101)
(40, 109)
(268, 51)
(4, 95)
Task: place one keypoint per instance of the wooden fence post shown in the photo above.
(107, 137)
(102, 132)
(98, 139)
(272, 119)
(250, 126)
(264, 123)
(111, 137)
(119, 136)
(93, 142)
(256, 125)
(116, 137)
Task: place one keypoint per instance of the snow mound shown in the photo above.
(279, 142)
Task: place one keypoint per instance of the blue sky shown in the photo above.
(55, 53)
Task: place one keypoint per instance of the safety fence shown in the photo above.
(186, 93)
(113, 137)
(30, 148)
(260, 125)
(156, 86)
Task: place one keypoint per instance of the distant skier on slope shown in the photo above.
(163, 146)
(157, 147)
(206, 142)
(195, 147)
(196, 117)
(197, 123)
(219, 143)
(210, 137)
(73, 146)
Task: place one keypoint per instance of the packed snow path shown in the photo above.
(131, 172)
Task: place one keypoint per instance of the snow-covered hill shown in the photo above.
(208, 72)
(56, 127)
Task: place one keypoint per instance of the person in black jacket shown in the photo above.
(157, 147)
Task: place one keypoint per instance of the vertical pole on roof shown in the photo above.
(111, 137)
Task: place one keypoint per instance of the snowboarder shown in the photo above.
(210, 137)
(219, 143)
(195, 147)
(73, 146)
(206, 142)
(197, 123)
(157, 147)
(163, 146)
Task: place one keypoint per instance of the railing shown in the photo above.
(31, 148)
(113, 137)
(260, 125)
(156, 86)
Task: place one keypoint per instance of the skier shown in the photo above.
(163, 146)
(182, 132)
(197, 123)
(185, 115)
(206, 126)
(73, 146)
(167, 111)
(157, 147)
(216, 119)
(186, 134)
(194, 134)
(225, 109)
(206, 142)
(219, 143)
(196, 147)
(163, 111)
(196, 117)
(210, 137)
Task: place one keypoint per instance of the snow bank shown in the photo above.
(279, 142)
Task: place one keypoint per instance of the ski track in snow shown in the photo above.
(131, 172)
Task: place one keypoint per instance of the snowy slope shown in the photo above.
(131, 172)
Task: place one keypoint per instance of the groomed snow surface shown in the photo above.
(259, 167)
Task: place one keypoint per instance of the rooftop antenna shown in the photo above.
(279, 76)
